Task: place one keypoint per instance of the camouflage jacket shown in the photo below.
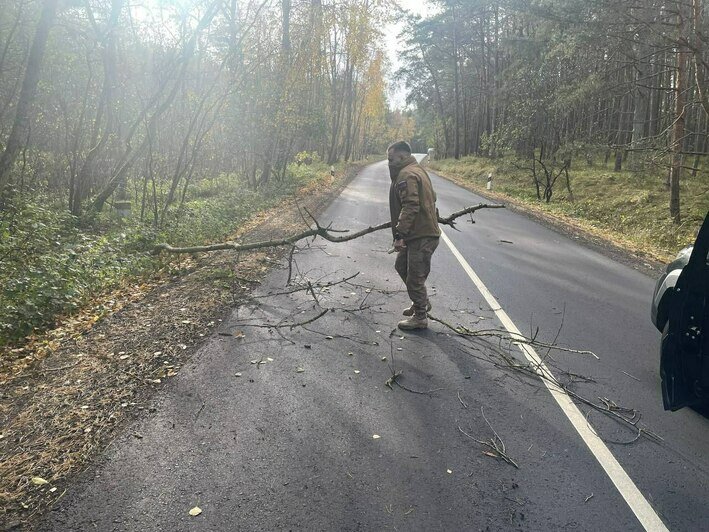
(412, 203)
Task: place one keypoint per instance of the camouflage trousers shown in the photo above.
(413, 265)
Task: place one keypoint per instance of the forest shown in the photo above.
(128, 124)
(557, 83)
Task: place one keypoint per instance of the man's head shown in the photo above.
(398, 152)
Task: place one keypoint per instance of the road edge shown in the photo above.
(644, 263)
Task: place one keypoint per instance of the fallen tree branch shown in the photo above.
(514, 338)
(290, 326)
(495, 443)
(318, 230)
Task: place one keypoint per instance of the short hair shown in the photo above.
(401, 146)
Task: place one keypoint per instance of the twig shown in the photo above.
(312, 292)
(631, 376)
(290, 264)
(514, 338)
(392, 380)
(287, 325)
(465, 405)
(493, 445)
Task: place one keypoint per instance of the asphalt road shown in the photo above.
(289, 444)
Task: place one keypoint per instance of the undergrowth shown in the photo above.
(630, 208)
(52, 263)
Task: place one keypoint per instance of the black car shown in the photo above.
(680, 310)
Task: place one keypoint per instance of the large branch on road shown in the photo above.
(327, 233)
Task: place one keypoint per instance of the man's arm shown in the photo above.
(408, 192)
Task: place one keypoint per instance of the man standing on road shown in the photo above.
(414, 222)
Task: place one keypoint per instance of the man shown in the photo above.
(414, 222)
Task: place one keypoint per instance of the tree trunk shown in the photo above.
(456, 75)
(679, 120)
(18, 134)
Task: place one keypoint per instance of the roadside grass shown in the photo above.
(52, 264)
(631, 209)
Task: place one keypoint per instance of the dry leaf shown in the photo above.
(375, 436)
(52, 490)
(299, 370)
(239, 335)
(194, 512)
(269, 359)
(328, 338)
(356, 372)
(39, 481)
(488, 453)
(237, 374)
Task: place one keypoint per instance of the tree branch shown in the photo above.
(323, 232)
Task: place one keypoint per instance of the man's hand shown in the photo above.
(399, 245)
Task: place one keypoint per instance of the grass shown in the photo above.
(631, 209)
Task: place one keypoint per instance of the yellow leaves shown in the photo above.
(194, 512)
(39, 481)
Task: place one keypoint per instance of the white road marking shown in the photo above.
(638, 503)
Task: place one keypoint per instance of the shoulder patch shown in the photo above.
(402, 186)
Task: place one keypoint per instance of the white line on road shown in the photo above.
(625, 485)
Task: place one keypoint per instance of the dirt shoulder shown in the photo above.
(612, 246)
(65, 396)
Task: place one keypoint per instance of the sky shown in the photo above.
(397, 95)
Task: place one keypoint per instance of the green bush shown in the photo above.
(50, 264)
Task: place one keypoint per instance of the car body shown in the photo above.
(664, 288)
(680, 310)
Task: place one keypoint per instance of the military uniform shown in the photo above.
(414, 218)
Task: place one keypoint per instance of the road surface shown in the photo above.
(290, 443)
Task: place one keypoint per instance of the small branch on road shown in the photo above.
(465, 405)
(304, 287)
(514, 338)
(396, 375)
(495, 443)
(290, 326)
